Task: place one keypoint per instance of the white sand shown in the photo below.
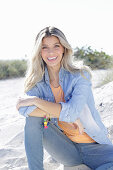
(12, 153)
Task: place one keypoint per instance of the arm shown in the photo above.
(25, 110)
(72, 108)
(69, 111)
(38, 113)
(43, 107)
(53, 109)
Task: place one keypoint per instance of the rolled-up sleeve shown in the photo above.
(26, 110)
(71, 110)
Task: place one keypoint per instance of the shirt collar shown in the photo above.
(61, 75)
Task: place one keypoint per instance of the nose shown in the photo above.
(51, 50)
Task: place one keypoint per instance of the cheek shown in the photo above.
(60, 53)
(43, 54)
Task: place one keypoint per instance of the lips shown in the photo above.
(51, 58)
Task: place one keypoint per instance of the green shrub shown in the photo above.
(12, 68)
(108, 77)
(94, 59)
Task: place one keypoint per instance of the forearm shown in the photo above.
(53, 109)
(43, 107)
(38, 113)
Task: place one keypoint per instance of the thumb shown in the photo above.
(81, 130)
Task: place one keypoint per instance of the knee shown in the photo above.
(33, 134)
(33, 123)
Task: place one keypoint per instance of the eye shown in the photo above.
(44, 47)
(57, 46)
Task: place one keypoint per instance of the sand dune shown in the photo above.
(12, 153)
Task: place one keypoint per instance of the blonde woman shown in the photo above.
(59, 108)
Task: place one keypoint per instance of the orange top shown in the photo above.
(70, 130)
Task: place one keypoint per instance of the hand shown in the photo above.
(80, 126)
(25, 101)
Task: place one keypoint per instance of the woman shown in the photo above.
(59, 108)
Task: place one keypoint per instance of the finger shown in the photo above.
(81, 130)
(75, 125)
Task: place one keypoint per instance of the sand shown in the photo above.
(12, 152)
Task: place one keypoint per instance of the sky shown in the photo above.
(84, 22)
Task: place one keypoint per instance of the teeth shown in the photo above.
(51, 58)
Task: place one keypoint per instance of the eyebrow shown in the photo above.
(53, 44)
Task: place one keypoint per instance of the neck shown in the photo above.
(54, 75)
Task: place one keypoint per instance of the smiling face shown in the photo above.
(52, 51)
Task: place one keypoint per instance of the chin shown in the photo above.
(53, 64)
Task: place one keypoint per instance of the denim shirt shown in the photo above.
(79, 103)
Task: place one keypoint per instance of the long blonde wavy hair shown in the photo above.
(36, 65)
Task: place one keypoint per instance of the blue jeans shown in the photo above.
(61, 148)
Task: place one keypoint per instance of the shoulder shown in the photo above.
(34, 90)
(79, 74)
(85, 74)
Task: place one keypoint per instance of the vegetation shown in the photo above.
(108, 77)
(12, 68)
(93, 58)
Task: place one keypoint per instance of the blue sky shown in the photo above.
(84, 22)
